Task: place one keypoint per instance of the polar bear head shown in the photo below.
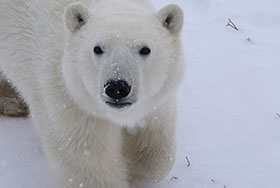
(120, 65)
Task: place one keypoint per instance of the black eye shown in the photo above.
(97, 50)
(145, 51)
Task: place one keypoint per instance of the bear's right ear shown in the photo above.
(172, 18)
(76, 15)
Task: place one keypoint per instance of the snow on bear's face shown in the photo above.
(119, 67)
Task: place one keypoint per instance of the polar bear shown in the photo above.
(91, 71)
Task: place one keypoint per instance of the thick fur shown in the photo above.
(46, 51)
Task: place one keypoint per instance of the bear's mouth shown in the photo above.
(119, 104)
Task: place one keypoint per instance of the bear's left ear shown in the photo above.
(171, 17)
(76, 15)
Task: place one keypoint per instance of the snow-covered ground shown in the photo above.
(228, 125)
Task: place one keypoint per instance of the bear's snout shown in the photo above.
(117, 91)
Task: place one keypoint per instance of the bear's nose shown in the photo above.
(117, 89)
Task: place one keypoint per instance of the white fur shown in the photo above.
(48, 56)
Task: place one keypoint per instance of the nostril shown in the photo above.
(110, 92)
(122, 91)
(117, 89)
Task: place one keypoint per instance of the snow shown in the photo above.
(228, 125)
(22, 163)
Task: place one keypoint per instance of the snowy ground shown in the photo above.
(228, 124)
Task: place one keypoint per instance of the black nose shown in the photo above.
(117, 89)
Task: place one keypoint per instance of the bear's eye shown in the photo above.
(97, 50)
(145, 51)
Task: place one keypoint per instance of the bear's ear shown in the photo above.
(171, 17)
(76, 15)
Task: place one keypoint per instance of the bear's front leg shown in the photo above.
(86, 156)
(150, 150)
